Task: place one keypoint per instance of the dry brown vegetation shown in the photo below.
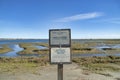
(5, 49)
(22, 63)
(29, 48)
(98, 64)
(84, 48)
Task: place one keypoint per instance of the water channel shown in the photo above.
(16, 48)
(14, 44)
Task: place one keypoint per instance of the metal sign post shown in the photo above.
(60, 48)
(60, 71)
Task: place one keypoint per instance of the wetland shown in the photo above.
(78, 47)
(100, 58)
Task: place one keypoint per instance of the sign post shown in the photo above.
(60, 48)
(60, 71)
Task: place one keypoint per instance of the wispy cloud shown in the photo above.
(80, 17)
(109, 20)
(114, 20)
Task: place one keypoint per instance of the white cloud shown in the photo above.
(80, 17)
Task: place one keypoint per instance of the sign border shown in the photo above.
(62, 45)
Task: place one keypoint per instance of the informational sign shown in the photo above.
(59, 37)
(60, 55)
(60, 45)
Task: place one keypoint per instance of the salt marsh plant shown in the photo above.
(29, 48)
(5, 49)
(25, 64)
(97, 64)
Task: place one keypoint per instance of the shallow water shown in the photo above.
(14, 45)
(41, 47)
(112, 46)
(22, 41)
(16, 48)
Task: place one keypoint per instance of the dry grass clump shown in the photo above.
(81, 45)
(23, 59)
(42, 44)
(98, 63)
(22, 64)
(84, 48)
(29, 48)
(5, 49)
(114, 41)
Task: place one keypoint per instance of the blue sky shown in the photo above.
(87, 19)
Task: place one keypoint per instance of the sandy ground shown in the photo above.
(71, 72)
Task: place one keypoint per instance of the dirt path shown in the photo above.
(71, 72)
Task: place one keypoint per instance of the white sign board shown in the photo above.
(60, 55)
(60, 37)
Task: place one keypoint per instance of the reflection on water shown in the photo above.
(116, 46)
(108, 46)
(41, 47)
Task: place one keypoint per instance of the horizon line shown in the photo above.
(48, 38)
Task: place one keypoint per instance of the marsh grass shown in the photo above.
(25, 64)
(5, 49)
(29, 48)
(112, 50)
(84, 48)
(89, 47)
(42, 44)
(98, 64)
(114, 41)
(76, 47)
